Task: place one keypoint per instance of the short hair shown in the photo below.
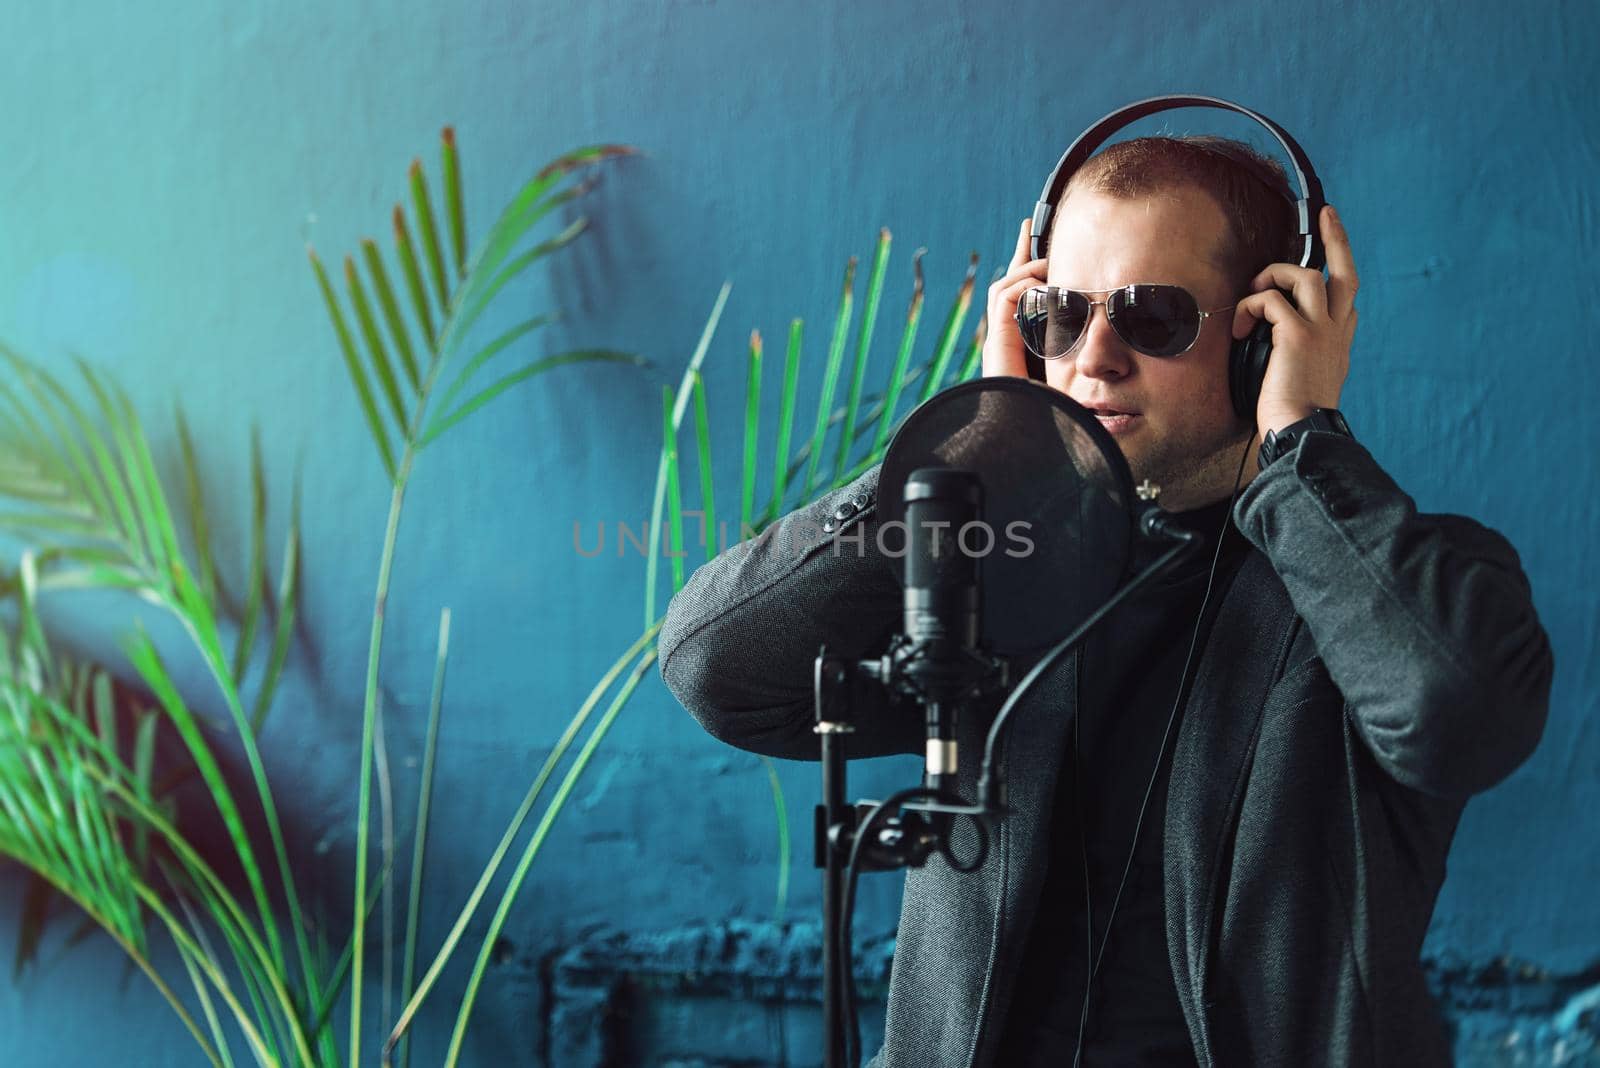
(1252, 190)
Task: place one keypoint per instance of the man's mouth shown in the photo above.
(1116, 420)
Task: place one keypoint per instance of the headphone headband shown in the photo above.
(1308, 208)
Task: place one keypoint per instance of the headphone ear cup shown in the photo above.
(1247, 366)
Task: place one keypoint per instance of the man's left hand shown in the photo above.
(1310, 336)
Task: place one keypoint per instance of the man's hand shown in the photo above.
(1003, 353)
(1310, 336)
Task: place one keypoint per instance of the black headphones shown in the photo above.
(1247, 360)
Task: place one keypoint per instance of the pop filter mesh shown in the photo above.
(1057, 503)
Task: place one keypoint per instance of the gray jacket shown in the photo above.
(1370, 668)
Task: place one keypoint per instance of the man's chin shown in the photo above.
(1135, 446)
(1183, 482)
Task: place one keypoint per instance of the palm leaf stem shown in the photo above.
(153, 902)
(368, 724)
(552, 811)
(447, 950)
(195, 617)
(226, 911)
(419, 841)
(138, 958)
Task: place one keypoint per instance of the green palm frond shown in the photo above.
(394, 362)
(81, 489)
(52, 822)
(92, 826)
(882, 415)
(78, 485)
(869, 319)
(846, 423)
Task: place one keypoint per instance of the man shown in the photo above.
(1229, 866)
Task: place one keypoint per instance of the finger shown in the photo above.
(1342, 279)
(1032, 273)
(1310, 291)
(1007, 296)
(1005, 357)
(1003, 350)
(1024, 241)
(1271, 305)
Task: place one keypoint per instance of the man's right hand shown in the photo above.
(1003, 353)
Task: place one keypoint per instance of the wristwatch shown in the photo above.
(1279, 442)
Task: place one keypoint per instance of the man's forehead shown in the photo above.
(1181, 232)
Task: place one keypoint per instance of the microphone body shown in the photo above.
(941, 617)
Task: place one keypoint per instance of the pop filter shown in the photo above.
(1057, 503)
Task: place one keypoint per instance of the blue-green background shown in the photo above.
(163, 165)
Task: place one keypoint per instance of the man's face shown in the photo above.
(1181, 432)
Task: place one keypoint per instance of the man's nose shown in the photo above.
(1101, 353)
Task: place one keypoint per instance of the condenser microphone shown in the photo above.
(1055, 539)
(944, 538)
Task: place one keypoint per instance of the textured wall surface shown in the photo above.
(162, 166)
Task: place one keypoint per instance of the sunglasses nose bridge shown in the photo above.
(1108, 317)
(1088, 323)
(1101, 350)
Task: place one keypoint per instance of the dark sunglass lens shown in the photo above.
(1157, 320)
(1031, 320)
(1051, 320)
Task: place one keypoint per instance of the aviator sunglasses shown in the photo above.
(1152, 318)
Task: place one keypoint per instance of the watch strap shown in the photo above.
(1324, 420)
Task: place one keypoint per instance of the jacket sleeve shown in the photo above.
(1425, 622)
(740, 639)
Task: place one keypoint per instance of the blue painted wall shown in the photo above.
(164, 164)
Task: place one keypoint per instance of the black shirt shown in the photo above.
(1127, 687)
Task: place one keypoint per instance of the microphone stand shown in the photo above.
(911, 824)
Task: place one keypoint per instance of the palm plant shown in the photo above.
(89, 497)
(76, 807)
(94, 502)
(860, 435)
(79, 802)
(860, 431)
